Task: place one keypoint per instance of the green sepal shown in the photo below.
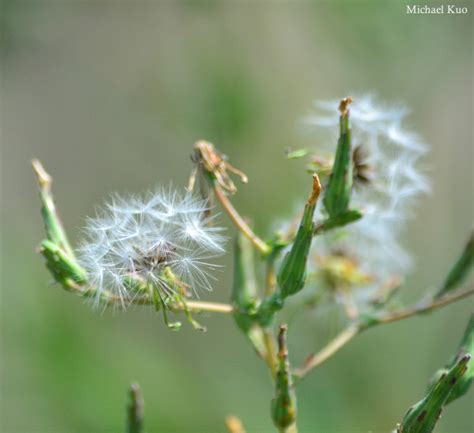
(347, 217)
(423, 416)
(63, 267)
(292, 273)
(338, 192)
(283, 406)
(460, 270)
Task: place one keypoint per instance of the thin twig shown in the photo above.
(238, 221)
(424, 307)
(209, 307)
(346, 335)
(192, 306)
(315, 360)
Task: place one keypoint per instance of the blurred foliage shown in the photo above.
(111, 96)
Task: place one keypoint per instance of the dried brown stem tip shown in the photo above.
(43, 178)
(313, 198)
(234, 425)
(215, 163)
(343, 106)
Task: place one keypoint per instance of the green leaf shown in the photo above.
(460, 270)
(423, 416)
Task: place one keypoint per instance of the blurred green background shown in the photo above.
(112, 95)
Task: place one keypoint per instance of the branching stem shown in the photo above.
(425, 306)
(315, 360)
(191, 306)
(239, 222)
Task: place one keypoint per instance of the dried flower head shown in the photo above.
(387, 183)
(208, 159)
(163, 242)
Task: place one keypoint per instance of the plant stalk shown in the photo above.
(315, 360)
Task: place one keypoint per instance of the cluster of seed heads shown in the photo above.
(146, 240)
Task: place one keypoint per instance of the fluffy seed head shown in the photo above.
(165, 239)
(387, 184)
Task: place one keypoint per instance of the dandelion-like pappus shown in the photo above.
(162, 243)
(387, 181)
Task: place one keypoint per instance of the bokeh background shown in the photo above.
(111, 95)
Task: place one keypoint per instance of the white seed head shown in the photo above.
(148, 238)
(392, 154)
